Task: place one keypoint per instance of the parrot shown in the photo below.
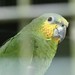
(32, 49)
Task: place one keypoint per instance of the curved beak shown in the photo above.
(60, 32)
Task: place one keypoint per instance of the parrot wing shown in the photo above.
(16, 55)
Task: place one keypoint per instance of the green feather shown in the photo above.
(28, 51)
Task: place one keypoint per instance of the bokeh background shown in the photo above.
(15, 14)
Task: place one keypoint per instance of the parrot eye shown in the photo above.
(62, 25)
(50, 19)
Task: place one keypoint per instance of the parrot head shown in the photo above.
(53, 27)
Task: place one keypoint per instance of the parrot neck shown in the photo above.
(43, 48)
(44, 51)
(53, 43)
(56, 40)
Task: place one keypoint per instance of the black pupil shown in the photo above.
(50, 19)
(62, 25)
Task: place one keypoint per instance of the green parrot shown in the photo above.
(30, 52)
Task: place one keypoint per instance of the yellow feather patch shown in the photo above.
(47, 29)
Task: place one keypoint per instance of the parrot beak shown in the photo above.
(60, 32)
